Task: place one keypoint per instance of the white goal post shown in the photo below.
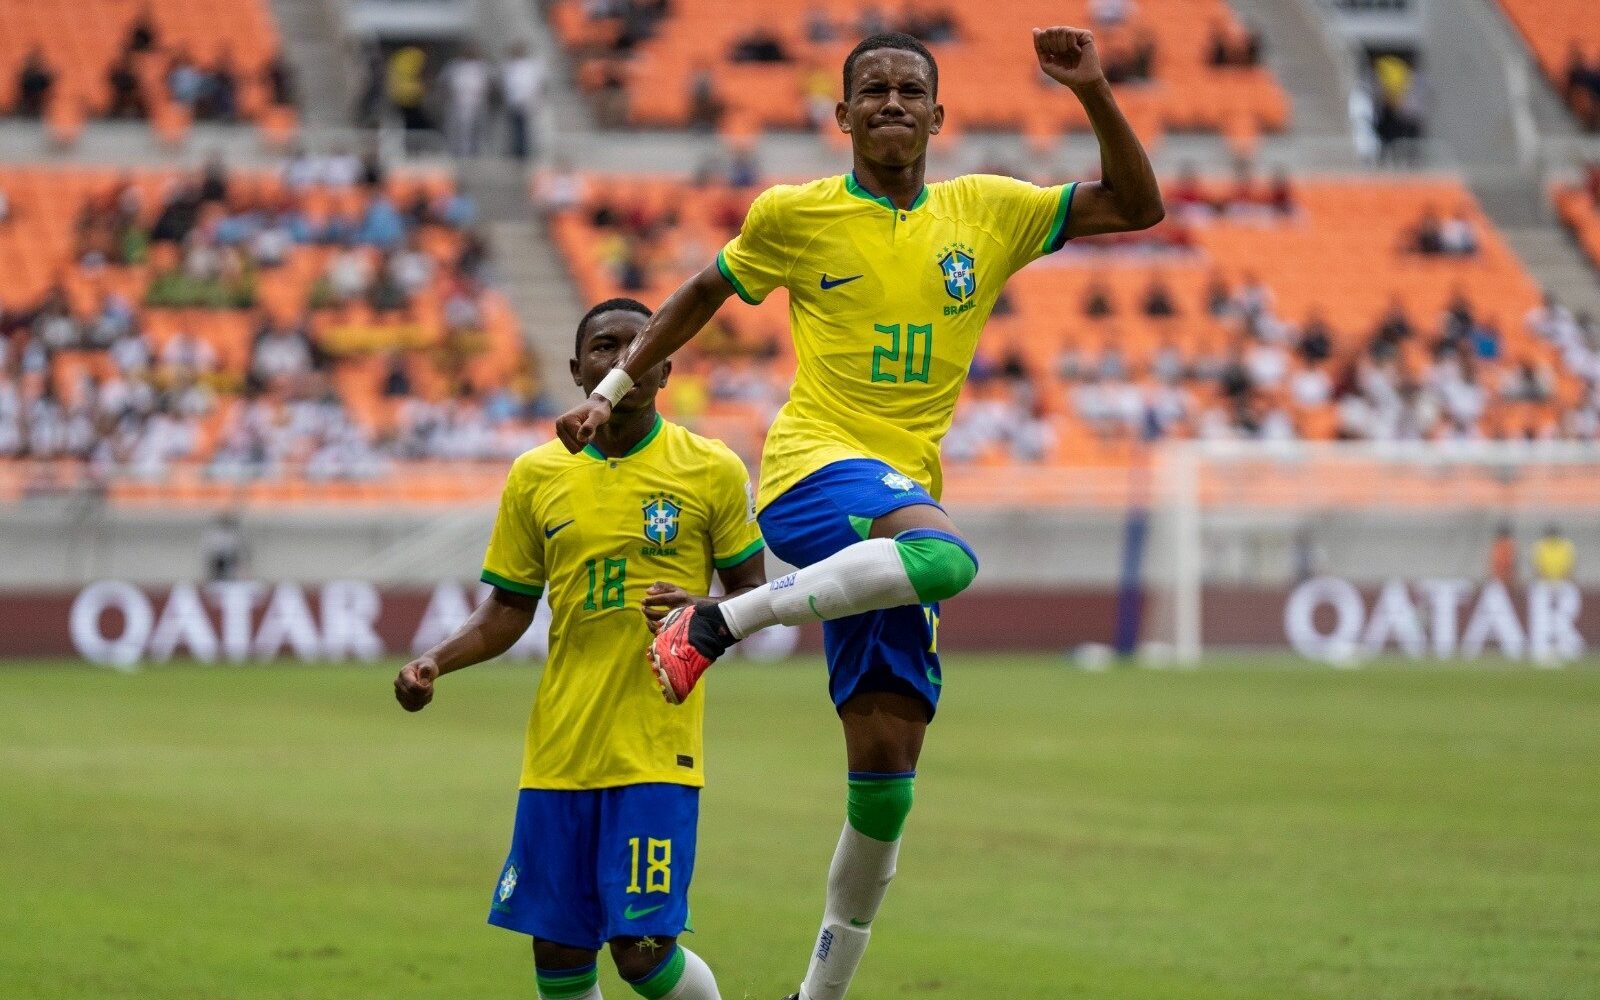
(1231, 519)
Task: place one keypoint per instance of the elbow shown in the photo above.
(1147, 215)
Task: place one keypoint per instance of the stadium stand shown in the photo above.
(1179, 64)
(1389, 309)
(206, 331)
(1565, 39)
(1579, 207)
(169, 61)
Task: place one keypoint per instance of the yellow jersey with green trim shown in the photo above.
(591, 534)
(885, 308)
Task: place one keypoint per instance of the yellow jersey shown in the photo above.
(885, 308)
(1553, 558)
(592, 533)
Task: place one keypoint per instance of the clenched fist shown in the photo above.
(576, 427)
(1068, 55)
(413, 686)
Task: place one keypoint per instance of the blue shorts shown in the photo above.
(888, 650)
(589, 866)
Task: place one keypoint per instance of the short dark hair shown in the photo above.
(609, 305)
(889, 40)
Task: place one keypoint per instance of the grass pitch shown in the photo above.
(1233, 833)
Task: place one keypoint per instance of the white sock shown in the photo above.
(862, 577)
(857, 881)
(697, 983)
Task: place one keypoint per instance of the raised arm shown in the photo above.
(491, 630)
(1126, 197)
(673, 325)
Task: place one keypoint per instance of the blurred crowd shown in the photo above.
(479, 106)
(207, 90)
(102, 384)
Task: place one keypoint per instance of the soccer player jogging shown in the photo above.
(604, 843)
(890, 282)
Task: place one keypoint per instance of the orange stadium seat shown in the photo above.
(82, 39)
(1323, 257)
(988, 77)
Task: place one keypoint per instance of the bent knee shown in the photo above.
(939, 564)
(636, 958)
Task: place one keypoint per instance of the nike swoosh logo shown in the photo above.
(551, 532)
(934, 678)
(836, 282)
(633, 914)
(860, 923)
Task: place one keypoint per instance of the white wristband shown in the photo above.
(614, 386)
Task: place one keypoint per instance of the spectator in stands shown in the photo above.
(35, 80)
(1485, 339)
(1395, 325)
(705, 105)
(1219, 46)
(1503, 555)
(1455, 325)
(281, 353)
(1551, 321)
(386, 295)
(932, 25)
(1582, 90)
(1097, 302)
(1158, 302)
(820, 28)
(559, 189)
(141, 33)
(1310, 386)
(1316, 338)
(382, 225)
(218, 95)
(1110, 13)
(1219, 297)
(744, 170)
(759, 45)
(1526, 382)
(1280, 192)
(184, 79)
(1427, 237)
(466, 81)
(127, 99)
(397, 383)
(1253, 300)
(1458, 237)
(278, 78)
(186, 355)
(521, 82)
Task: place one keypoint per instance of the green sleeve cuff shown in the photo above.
(525, 589)
(1058, 229)
(741, 555)
(722, 265)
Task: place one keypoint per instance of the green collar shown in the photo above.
(644, 442)
(856, 189)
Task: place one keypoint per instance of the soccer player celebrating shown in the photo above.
(604, 843)
(890, 282)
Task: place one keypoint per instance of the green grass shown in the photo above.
(1227, 834)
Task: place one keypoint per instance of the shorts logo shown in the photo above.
(661, 514)
(896, 481)
(508, 883)
(960, 272)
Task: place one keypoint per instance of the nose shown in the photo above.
(893, 101)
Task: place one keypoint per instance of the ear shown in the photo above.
(841, 114)
(938, 119)
(666, 373)
(577, 380)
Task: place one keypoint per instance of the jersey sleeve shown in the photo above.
(757, 260)
(735, 536)
(1031, 220)
(515, 558)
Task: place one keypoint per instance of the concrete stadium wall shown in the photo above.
(66, 545)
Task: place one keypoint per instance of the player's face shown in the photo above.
(891, 110)
(609, 334)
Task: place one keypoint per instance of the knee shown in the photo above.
(939, 564)
(637, 958)
(878, 805)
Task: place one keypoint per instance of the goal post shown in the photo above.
(1238, 527)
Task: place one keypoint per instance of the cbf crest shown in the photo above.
(661, 514)
(959, 267)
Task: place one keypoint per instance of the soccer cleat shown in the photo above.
(678, 665)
